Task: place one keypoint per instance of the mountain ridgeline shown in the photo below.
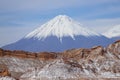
(113, 33)
(59, 34)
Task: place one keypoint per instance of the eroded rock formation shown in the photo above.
(74, 64)
(4, 70)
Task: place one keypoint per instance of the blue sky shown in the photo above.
(17, 18)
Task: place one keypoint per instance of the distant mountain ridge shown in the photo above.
(58, 34)
(113, 32)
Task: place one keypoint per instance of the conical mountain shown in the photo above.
(59, 34)
(61, 26)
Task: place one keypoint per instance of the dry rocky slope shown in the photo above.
(97, 63)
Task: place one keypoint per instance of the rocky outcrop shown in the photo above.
(1, 52)
(4, 71)
(47, 55)
(97, 63)
(84, 54)
(24, 54)
(114, 49)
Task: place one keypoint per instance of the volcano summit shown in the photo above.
(59, 34)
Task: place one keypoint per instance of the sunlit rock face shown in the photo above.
(115, 49)
(96, 63)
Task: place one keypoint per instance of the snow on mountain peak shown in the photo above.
(113, 32)
(61, 26)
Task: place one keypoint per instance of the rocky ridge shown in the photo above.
(96, 63)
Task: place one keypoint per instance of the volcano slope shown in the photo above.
(57, 35)
(96, 63)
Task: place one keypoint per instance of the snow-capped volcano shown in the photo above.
(113, 32)
(59, 34)
(61, 26)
